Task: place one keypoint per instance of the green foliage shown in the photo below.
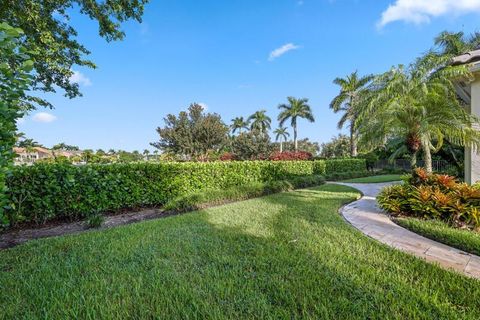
(64, 146)
(434, 196)
(192, 134)
(45, 191)
(345, 165)
(259, 121)
(293, 110)
(338, 147)
(352, 91)
(202, 199)
(239, 124)
(50, 34)
(418, 104)
(304, 145)
(95, 220)
(15, 81)
(251, 145)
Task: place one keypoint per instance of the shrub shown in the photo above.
(290, 155)
(227, 156)
(43, 192)
(345, 165)
(95, 220)
(434, 196)
(201, 199)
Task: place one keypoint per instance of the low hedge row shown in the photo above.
(204, 198)
(49, 191)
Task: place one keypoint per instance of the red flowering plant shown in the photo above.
(290, 156)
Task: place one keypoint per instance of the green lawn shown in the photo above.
(376, 179)
(285, 256)
(440, 231)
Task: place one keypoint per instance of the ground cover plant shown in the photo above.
(288, 255)
(45, 192)
(440, 231)
(434, 196)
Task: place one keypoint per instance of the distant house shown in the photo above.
(31, 155)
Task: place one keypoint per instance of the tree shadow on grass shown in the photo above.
(310, 264)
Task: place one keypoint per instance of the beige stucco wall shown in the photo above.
(472, 157)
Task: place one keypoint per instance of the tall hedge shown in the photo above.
(47, 191)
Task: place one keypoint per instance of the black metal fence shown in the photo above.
(404, 164)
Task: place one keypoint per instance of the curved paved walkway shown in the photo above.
(365, 215)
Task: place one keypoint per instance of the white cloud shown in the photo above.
(80, 78)
(44, 117)
(421, 11)
(282, 50)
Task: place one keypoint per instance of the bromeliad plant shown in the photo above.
(434, 196)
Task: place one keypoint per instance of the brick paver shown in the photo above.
(366, 216)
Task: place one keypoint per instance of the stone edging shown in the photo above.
(366, 216)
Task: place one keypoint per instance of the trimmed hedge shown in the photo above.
(49, 191)
(204, 198)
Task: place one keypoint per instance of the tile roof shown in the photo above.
(468, 57)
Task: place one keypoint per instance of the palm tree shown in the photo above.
(455, 43)
(146, 152)
(260, 121)
(238, 123)
(352, 88)
(296, 108)
(420, 106)
(281, 133)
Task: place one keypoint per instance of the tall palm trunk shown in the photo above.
(353, 141)
(427, 157)
(413, 160)
(295, 137)
(281, 146)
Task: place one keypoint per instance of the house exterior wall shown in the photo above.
(472, 157)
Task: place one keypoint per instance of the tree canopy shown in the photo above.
(192, 133)
(49, 34)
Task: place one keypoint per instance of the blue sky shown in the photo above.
(236, 56)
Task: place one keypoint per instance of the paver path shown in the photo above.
(366, 216)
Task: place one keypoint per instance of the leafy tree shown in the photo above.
(15, 80)
(192, 134)
(66, 147)
(259, 121)
(349, 101)
(52, 38)
(281, 134)
(252, 145)
(296, 108)
(303, 145)
(420, 105)
(239, 123)
(338, 147)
